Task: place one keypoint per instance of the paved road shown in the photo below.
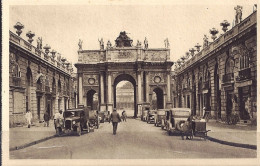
(134, 140)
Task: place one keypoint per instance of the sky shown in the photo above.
(184, 24)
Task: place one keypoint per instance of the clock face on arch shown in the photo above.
(157, 79)
(91, 81)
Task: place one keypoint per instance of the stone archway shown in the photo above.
(159, 98)
(92, 100)
(125, 77)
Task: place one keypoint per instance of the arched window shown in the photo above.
(244, 61)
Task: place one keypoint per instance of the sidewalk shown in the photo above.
(234, 135)
(21, 137)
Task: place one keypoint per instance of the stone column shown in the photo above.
(169, 102)
(139, 87)
(102, 95)
(147, 87)
(109, 93)
(80, 90)
(102, 88)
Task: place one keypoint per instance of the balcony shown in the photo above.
(39, 88)
(244, 74)
(205, 85)
(228, 78)
(53, 91)
(16, 81)
(47, 89)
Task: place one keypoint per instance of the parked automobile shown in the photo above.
(164, 119)
(93, 118)
(145, 110)
(150, 116)
(75, 120)
(101, 117)
(174, 117)
(159, 117)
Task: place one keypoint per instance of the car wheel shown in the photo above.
(162, 127)
(88, 130)
(79, 131)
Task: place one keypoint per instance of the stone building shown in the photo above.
(125, 96)
(37, 80)
(222, 77)
(148, 69)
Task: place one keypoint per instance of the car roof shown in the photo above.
(75, 109)
(180, 109)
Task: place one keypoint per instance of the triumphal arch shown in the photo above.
(148, 69)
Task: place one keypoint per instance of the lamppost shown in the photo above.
(198, 47)
(19, 28)
(30, 34)
(213, 32)
(225, 24)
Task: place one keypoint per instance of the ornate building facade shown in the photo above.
(222, 77)
(38, 81)
(99, 71)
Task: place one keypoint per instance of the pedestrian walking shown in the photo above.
(55, 117)
(124, 115)
(46, 118)
(28, 117)
(115, 118)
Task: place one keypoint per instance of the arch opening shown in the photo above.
(129, 105)
(92, 99)
(157, 99)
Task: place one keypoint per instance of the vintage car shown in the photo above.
(75, 120)
(93, 118)
(159, 117)
(145, 110)
(164, 119)
(174, 117)
(150, 116)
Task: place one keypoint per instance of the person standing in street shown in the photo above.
(28, 117)
(46, 118)
(55, 117)
(115, 118)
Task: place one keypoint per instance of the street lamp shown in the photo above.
(30, 34)
(19, 28)
(213, 32)
(225, 24)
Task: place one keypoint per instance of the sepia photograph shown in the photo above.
(130, 83)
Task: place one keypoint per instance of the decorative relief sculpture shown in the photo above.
(238, 16)
(90, 79)
(157, 78)
(157, 56)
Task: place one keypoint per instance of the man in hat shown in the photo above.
(115, 118)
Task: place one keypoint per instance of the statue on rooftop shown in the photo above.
(39, 43)
(238, 14)
(80, 44)
(166, 43)
(145, 43)
(109, 45)
(205, 41)
(138, 43)
(101, 43)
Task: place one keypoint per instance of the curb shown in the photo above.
(32, 143)
(248, 146)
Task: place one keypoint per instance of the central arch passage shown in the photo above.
(125, 77)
